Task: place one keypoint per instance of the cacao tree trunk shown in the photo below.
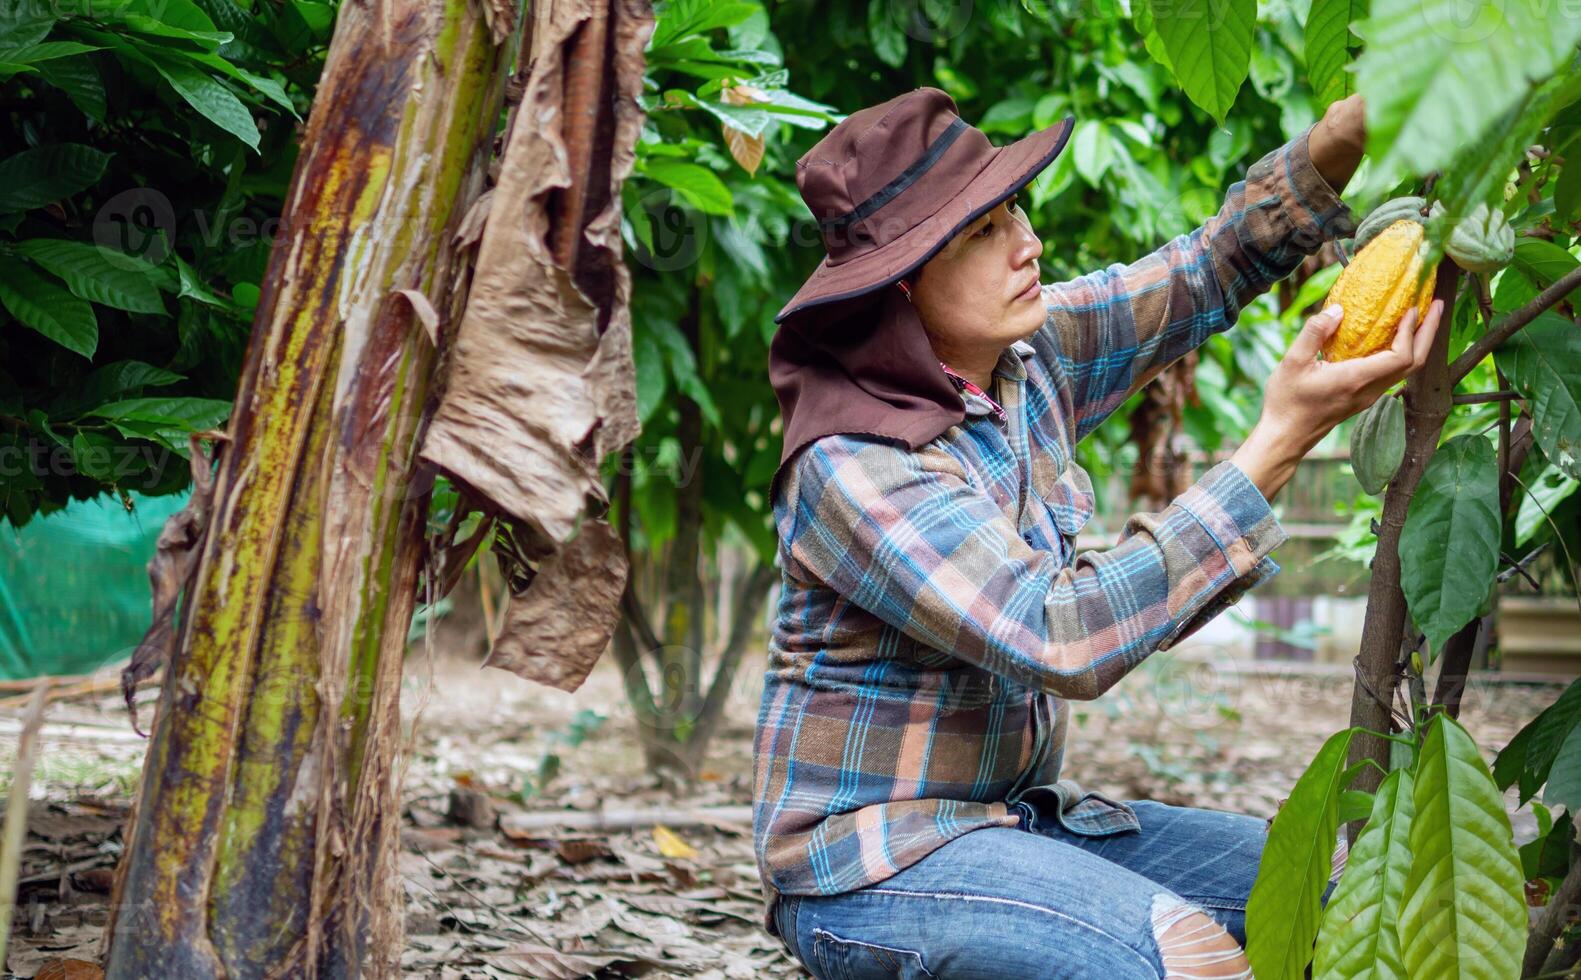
(264, 838)
(1427, 405)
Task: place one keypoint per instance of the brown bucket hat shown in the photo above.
(893, 183)
(890, 186)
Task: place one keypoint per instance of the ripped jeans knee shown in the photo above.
(1192, 945)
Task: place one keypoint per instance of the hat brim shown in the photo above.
(1013, 167)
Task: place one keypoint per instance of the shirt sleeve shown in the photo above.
(904, 535)
(1116, 328)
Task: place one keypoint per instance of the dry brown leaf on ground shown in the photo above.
(547, 963)
(68, 969)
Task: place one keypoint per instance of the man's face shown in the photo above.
(974, 293)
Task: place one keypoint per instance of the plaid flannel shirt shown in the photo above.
(934, 615)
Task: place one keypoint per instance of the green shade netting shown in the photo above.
(74, 592)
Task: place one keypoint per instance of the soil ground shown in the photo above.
(682, 899)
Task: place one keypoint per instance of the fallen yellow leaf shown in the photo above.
(670, 843)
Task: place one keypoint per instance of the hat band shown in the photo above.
(907, 177)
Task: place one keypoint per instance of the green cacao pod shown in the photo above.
(1482, 241)
(1386, 214)
(1377, 443)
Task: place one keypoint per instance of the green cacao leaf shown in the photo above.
(1330, 46)
(1209, 43)
(1449, 549)
(93, 273)
(1358, 938)
(1282, 911)
(1543, 362)
(1464, 910)
(1530, 755)
(40, 303)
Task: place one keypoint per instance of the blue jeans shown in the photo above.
(1043, 900)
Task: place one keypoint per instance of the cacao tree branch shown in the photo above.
(1480, 397)
(1513, 324)
(1555, 916)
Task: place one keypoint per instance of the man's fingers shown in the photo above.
(1402, 335)
(1318, 329)
(1424, 337)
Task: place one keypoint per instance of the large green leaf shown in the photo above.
(40, 303)
(700, 186)
(1093, 148)
(1436, 73)
(191, 414)
(1564, 778)
(1330, 46)
(1530, 755)
(93, 273)
(1282, 911)
(1464, 910)
(1209, 44)
(109, 381)
(1541, 495)
(696, 17)
(1142, 18)
(886, 33)
(1358, 938)
(45, 174)
(1542, 262)
(217, 103)
(1449, 549)
(79, 79)
(1479, 170)
(1543, 362)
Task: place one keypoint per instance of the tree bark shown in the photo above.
(1427, 405)
(265, 833)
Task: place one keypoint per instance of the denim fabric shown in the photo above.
(1044, 899)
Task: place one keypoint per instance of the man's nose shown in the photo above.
(1029, 240)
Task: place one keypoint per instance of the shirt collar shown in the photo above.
(1009, 366)
(1010, 360)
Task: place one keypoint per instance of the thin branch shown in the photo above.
(1518, 568)
(1478, 397)
(1513, 324)
(1545, 932)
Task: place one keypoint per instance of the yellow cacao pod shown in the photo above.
(1376, 289)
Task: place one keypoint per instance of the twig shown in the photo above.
(509, 921)
(1518, 568)
(1477, 397)
(1545, 932)
(87, 686)
(16, 812)
(1484, 301)
(1366, 685)
(26, 686)
(549, 820)
(1513, 324)
(1570, 565)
